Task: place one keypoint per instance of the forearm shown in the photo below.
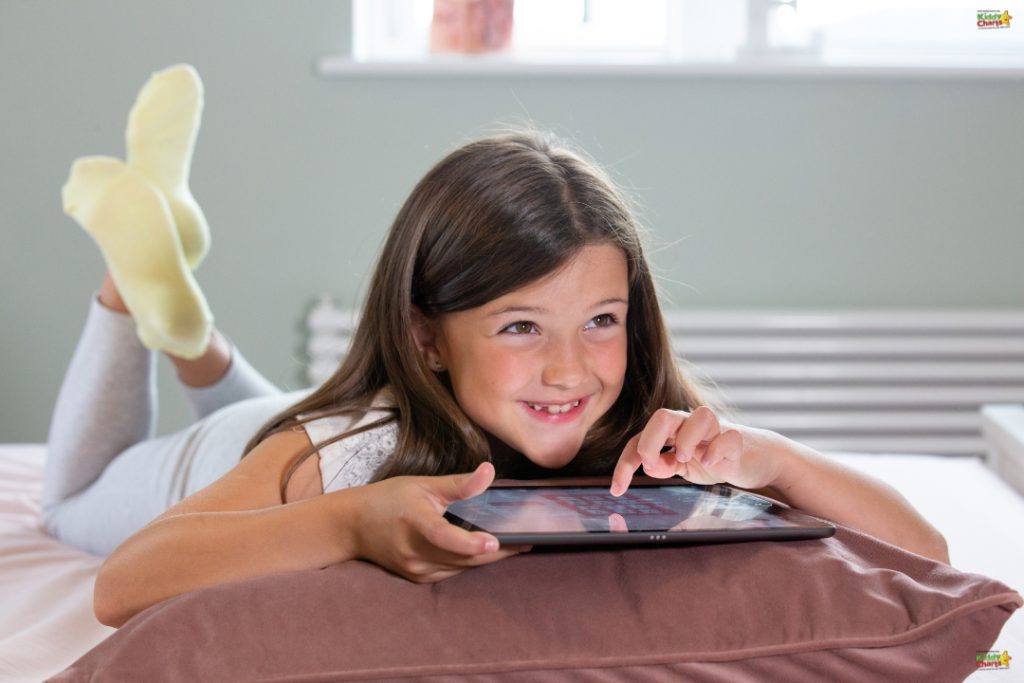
(809, 481)
(181, 553)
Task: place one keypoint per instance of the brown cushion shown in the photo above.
(847, 608)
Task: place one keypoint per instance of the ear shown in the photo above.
(425, 332)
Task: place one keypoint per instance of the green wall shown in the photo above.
(760, 192)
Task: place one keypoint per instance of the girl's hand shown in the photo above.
(698, 448)
(401, 526)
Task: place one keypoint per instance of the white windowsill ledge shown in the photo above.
(343, 66)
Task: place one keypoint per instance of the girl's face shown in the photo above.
(537, 368)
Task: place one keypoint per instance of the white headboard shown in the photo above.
(865, 381)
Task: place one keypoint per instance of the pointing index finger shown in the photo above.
(627, 465)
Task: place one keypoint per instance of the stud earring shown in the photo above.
(436, 366)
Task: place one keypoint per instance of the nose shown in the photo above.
(564, 364)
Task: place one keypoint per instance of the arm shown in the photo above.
(705, 451)
(184, 552)
(811, 482)
(237, 528)
(234, 529)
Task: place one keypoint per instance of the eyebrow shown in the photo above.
(537, 309)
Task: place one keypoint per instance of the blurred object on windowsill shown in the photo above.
(471, 26)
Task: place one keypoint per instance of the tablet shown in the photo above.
(650, 512)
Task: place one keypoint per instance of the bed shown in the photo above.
(46, 622)
(965, 484)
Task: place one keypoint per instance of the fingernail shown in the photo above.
(491, 545)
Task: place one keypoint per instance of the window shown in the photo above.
(898, 33)
(752, 34)
(543, 29)
(591, 29)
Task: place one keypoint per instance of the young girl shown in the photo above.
(511, 329)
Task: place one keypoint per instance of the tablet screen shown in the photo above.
(555, 510)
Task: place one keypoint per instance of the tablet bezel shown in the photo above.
(807, 527)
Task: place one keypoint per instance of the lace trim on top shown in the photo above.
(354, 460)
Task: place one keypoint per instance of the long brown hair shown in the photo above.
(493, 216)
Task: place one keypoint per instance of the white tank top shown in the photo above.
(354, 460)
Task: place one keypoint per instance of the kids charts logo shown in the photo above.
(993, 18)
(993, 659)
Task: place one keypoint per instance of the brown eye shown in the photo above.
(603, 320)
(520, 327)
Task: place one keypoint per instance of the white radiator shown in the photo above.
(866, 381)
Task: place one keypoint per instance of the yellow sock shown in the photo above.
(132, 223)
(162, 129)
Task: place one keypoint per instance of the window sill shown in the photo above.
(344, 67)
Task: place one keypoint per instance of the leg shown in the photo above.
(134, 488)
(219, 377)
(106, 403)
(225, 378)
(144, 481)
(152, 234)
(106, 477)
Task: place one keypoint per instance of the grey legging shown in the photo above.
(106, 475)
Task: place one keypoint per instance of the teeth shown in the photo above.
(555, 410)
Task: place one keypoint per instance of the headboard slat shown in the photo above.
(721, 346)
(853, 371)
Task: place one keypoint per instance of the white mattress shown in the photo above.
(46, 619)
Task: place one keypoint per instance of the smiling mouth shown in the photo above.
(554, 408)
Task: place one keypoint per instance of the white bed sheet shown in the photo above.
(46, 618)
